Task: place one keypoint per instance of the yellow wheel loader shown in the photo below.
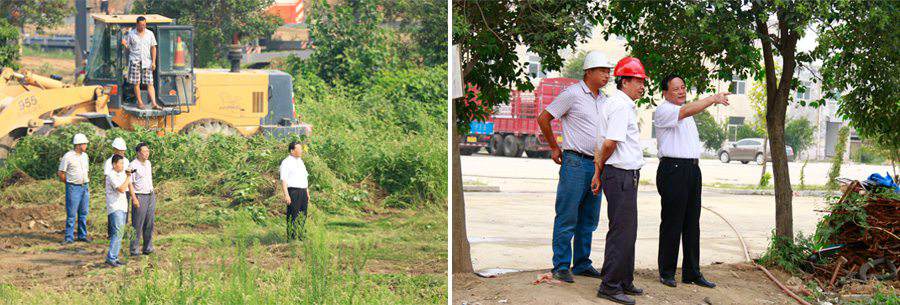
(205, 101)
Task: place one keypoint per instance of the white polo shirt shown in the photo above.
(107, 165)
(293, 171)
(618, 122)
(75, 166)
(578, 111)
(676, 138)
(115, 200)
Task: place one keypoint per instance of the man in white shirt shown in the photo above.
(618, 160)
(141, 45)
(143, 200)
(117, 182)
(678, 181)
(577, 208)
(294, 189)
(73, 171)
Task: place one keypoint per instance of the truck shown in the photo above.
(479, 137)
(515, 130)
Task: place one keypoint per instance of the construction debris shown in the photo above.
(865, 242)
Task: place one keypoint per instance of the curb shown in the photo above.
(481, 188)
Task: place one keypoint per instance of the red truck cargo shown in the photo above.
(515, 125)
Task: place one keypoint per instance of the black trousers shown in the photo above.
(299, 203)
(620, 187)
(679, 184)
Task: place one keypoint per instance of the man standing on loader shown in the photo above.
(141, 45)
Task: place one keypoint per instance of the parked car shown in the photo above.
(746, 150)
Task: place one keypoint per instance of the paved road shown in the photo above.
(512, 228)
(476, 166)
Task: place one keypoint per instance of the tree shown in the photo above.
(488, 33)
(215, 23)
(574, 66)
(711, 133)
(9, 49)
(351, 43)
(798, 134)
(704, 41)
(40, 14)
(426, 23)
(860, 47)
(838, 158)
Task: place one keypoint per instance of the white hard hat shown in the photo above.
(79, 139)
(596, 59)
(119, 144)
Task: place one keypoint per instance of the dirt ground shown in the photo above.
(30, 250)
(737, 284)
(61, 67)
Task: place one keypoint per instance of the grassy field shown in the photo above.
(378, 228)
(211, 253)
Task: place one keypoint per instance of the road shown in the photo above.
(512, 228)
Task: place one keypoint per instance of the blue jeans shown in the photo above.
(577, 213)
(116, 230)
(77, 204)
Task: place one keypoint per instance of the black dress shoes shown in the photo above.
(700, 281)
(563, 275)
(620, 298)
(667, 281)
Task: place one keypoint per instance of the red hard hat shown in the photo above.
(630, 66)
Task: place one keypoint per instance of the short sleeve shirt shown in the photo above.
(676, 138)
(618, 122)
(293, 172)
(115, 200)
(75, 166)
(578, 111)
(139, 46)
(142, 178)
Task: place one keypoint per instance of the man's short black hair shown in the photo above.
(116, 159)
(292, 145)
(664, 85)
(138, 147)
(139, 19)
(620, 80)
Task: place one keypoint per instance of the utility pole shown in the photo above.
(81, 22)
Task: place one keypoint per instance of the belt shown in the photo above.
(680, 160)
(76, 184)
(585, 156)
(624, 170)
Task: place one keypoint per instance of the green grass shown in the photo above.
(37, 52)
(389, 257)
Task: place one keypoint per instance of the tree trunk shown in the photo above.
(462, 259)
(777, 92)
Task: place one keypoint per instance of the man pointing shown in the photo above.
(678, 181)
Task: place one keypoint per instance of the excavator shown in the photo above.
(204, 101)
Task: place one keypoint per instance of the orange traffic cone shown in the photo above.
(179, 52)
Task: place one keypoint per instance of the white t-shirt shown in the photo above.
(107, 165)
(293, 171)
(618, 122)
(115, 200)
(676, 138)
(75, 166)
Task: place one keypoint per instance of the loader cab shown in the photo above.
(173, 80)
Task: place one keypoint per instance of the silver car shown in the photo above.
(750, 149)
